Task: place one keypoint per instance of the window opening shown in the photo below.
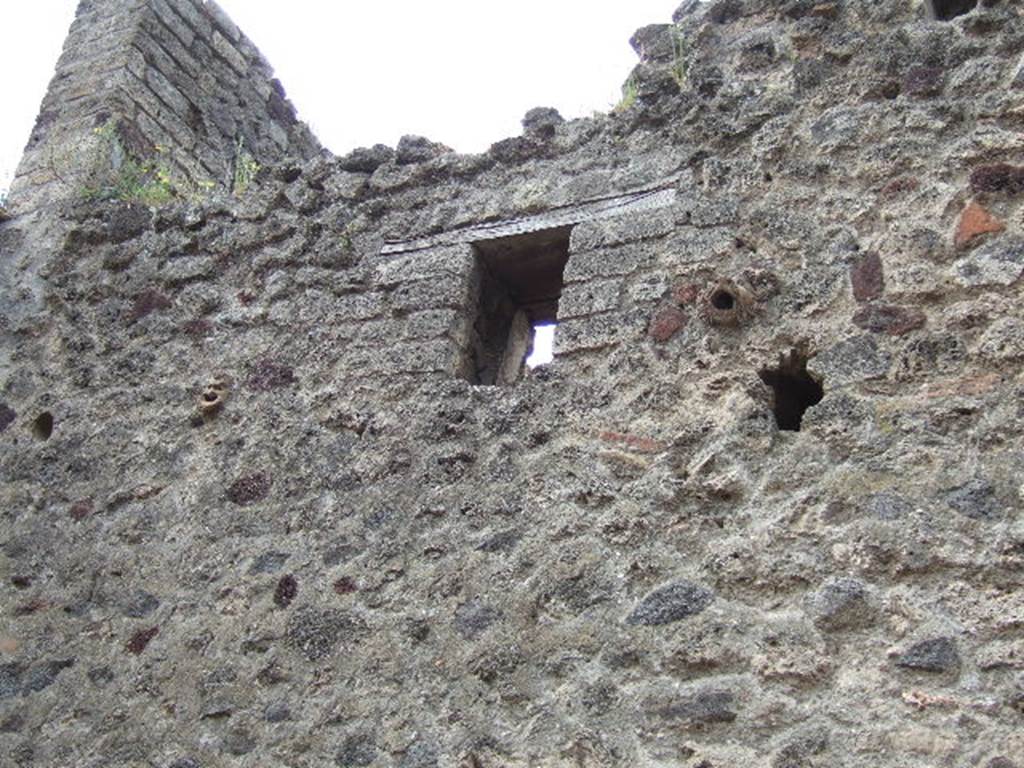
(944, 10)
(543, 351)
(794, 390)
(520, 283)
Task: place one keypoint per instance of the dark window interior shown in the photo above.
(519, 287)
(945, 10)
(794, 390)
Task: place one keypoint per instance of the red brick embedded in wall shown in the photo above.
(975, 221)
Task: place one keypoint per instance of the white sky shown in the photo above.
(462, 72)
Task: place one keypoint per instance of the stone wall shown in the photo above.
(254, 512)
(175, 82)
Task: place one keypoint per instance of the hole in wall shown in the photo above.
(944, 10)
(723, 300)
(520, 283)
(42, 427)
(794, 390)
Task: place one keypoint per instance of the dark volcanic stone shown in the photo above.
(542, 121)
(473, 617)
(671, 603)
(421, 754)
(7, 416)
(503, 541)
(10, 679)
(139, 604)
(12, 724)
(356, 751)
(266, 376)
(277, 712)
(366, 159)
(269, 562)
(239, 743)
(44, 675)
(416, 149)
(886, 505)
(100, 676)
(703, 708)
(841, 603)
(127, 222)
(16, 680)
(976, 499)
(315, 633)
(923, 82)
(936, 655)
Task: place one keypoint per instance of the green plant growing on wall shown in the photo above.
(679, 57)
(129, 179)
(630, 91)
(246, 168)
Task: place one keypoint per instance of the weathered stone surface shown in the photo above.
(365, 556)
(1000, 262)
(542, 121)
(852, 360)
(416, 149)
(366, 159)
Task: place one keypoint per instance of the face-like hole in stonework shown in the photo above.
(543, 350)
(211, 397)
(944, 10)
(42, 427)
(794, 390)
(723, 300)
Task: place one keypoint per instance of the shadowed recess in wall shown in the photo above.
(794, 390)
(42, 427)
(944, 10)
(520, 282)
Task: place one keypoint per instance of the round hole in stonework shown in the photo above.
(42, 427)
(723, 300)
